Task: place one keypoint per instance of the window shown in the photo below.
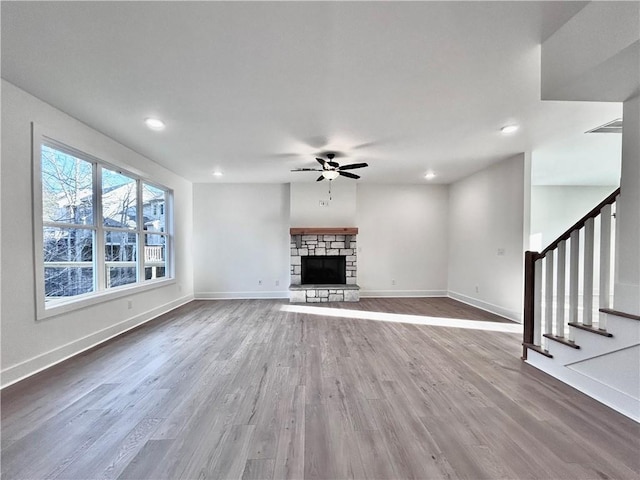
(155, 238)
(101, 227)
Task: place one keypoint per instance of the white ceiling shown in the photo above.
(255, 89)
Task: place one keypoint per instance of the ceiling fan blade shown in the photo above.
(352, 166)
(320, 178)
(321, 162)
(306, 170)
(366, 145)
(334, 164)
(284, 155)
(350, 175)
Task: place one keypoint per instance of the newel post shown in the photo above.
(529, 303)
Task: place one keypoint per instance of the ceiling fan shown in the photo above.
(332, 170)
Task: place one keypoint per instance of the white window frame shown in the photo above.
(101, 293)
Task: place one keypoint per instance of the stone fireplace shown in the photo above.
(324, 265)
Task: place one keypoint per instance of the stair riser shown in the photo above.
(625, 332)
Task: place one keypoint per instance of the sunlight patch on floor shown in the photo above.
(403, 318)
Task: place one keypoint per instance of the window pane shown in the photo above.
(68, 267)
(120, 258)
(153, 208)
(62, 282)
(118, 276)
(119, 194)
(67, 188)
(154, 256)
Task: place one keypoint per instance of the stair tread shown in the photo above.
(538, 349)
(588, 328)
(562, 340)
(618, 313)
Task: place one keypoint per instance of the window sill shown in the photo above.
(90, 299)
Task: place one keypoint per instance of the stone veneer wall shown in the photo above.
(323, 245)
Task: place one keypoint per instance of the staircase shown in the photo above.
(570, 330)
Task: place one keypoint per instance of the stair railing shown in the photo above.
(549, 307)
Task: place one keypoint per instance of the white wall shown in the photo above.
(594, 56)
(241, 237)
(627, 281)
(402, 237)
(554, 209)
(486, 214)
(29, 345)
(340, 211)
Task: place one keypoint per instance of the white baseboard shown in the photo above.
(41, 362)
(402, 293)
(285, 294)
(240, 295)
(486, 306)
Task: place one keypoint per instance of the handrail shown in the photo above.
(580, 223)
(531, 315)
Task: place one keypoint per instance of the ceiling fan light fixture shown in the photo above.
(217, 173)
(330, 174)
(430, 175)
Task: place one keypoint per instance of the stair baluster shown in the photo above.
(605, 265)
(560, 288)
(548, 293)
(574, 275)
(587, 289)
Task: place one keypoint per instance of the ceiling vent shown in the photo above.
(614, 126)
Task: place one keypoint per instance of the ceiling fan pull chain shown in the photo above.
(330, 181)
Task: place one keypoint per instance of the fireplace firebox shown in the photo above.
(323, 270)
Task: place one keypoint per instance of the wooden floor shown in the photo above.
(249, 389)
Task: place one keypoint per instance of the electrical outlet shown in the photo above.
(393, 282)
(259, 282)
(179, 287)
(477, 289)
(501, 252)
(277, 283)
(129, 304)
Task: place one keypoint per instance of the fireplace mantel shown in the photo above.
(323, 230)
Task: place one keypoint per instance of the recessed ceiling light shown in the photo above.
(154, 123)
(509, 128)
(430, 175)
(217, 173)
